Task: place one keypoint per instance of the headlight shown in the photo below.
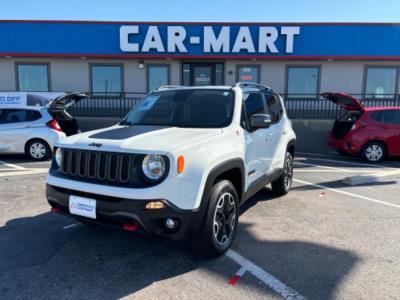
(58, 157)
(153, 166)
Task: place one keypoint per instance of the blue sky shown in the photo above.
(205, 10)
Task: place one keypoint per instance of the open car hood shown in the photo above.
(66, 100)
(345, 101)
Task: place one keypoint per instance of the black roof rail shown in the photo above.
(252, 85)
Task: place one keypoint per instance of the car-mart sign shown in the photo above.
(199, 40)
(261, 40)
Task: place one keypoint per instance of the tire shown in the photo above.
(282, 185)
(220, 221)
(38, 150)
(373, 152)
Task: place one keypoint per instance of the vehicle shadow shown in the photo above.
(336, 184)
(38, 259)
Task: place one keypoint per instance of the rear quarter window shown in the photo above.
(391, 116)
(376, 116)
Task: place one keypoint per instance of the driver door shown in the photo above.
(256, 152)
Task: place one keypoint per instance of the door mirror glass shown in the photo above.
(260, 121)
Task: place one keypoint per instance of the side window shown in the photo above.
(391, 116)
(377, 116)
(274, 107)
(33, 115)
(253, 104)
(14, 116)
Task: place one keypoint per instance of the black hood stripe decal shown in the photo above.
(126, 132)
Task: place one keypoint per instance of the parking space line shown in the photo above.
(12, 165)
(27, 172)
(70, 226)
(346, 193)
(272, 282)
(356, 163)
(328, 167)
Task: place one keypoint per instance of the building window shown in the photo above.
(302, 82)
(106, 79)
(248, 73)
(380, 82)
(33, 77)
(157, 75)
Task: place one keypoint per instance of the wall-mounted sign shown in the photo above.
(199, 40)
(20, 99)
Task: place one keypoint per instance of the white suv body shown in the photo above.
(196, 158)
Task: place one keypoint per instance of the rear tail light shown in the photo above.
(53, 124)
(358, 125)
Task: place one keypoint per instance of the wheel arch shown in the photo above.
(291, 147)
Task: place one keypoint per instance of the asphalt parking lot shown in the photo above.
(324, 240)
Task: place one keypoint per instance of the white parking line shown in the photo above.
(347, 193)
(27, 172)
(332, 171)
(70, 226)
(12, 165)
(272, 282)
(329, 167)
(356, 163)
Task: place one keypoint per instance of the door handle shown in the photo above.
(383, 126)
(269, 137)
(284, 131)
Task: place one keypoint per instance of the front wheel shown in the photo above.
(220, 222)
(282, 185)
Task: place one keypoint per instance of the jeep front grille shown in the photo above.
(97, 166)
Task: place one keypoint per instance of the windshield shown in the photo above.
(184, 108)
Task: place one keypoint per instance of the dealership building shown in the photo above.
(114, 58)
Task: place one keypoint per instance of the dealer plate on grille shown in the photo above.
(81, 206)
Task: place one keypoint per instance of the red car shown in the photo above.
(371, 132)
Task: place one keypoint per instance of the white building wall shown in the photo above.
(74, 74)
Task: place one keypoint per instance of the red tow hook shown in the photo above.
(130, 227)
(55, 209)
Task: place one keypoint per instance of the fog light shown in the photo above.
(155, 205)
(170, 223)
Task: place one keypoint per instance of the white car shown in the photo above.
(179, 164)
(34, 130)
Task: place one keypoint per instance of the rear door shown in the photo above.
(16, 126)
(275, 141)
(390, 127)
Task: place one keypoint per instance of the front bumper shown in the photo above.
(116, 212)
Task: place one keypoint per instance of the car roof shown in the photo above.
(376, 108)
(206, 87)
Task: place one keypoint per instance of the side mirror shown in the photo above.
(260, 121)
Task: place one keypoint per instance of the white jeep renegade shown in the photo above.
(179, 164)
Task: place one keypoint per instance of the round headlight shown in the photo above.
(58, 157)
(153, 166)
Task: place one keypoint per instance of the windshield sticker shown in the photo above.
(148, 103)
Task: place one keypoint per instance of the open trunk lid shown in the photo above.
(65, 101)
(344, 101)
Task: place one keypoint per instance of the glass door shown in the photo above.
(202, 74)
